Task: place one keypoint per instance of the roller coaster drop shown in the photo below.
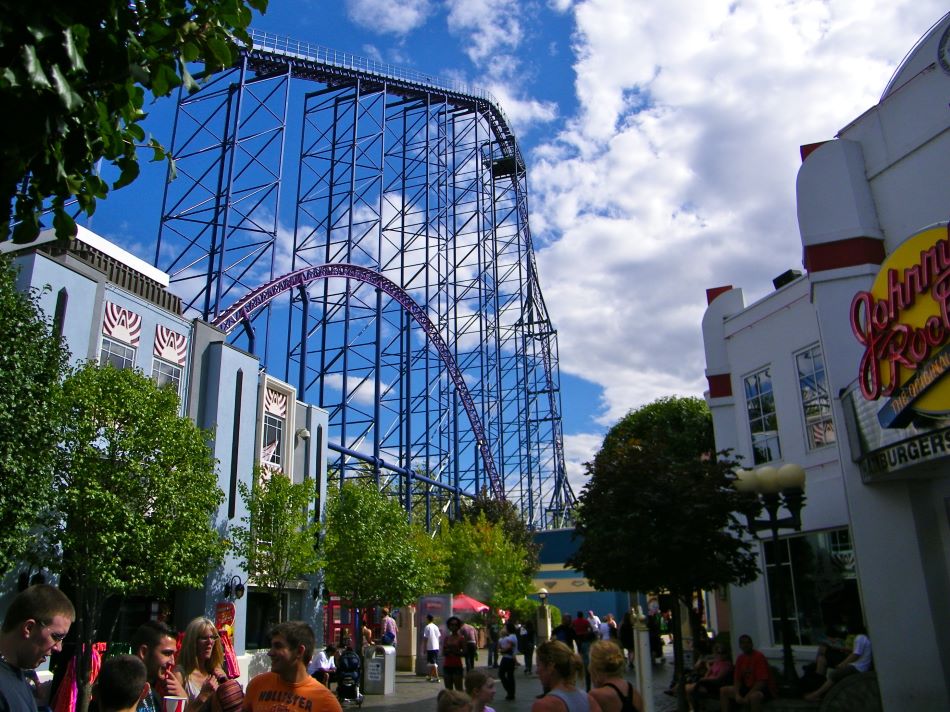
(409, 306)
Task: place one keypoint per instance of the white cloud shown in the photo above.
(678, 171)
(522, 113)
(491, 33)
(578, 449)
(490, 26)
(397, 17)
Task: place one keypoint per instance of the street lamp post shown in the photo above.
(544, 616)
(772, 489)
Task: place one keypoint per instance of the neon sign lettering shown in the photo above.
(891, 344)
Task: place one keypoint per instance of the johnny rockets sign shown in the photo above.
(903, 323)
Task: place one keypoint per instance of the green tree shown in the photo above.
(78, 74)
(279, 538)
(32, 363)
(136, 494)
(659, 510)
(373, 555)
(484, 563)
(507, 515)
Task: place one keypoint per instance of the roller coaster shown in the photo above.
(363, 229)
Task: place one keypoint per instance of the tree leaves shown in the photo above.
(32, 361)
(659, 510)
(136, 487)
(484, 562)
(373, 554)
(78, 93)
(279, 537)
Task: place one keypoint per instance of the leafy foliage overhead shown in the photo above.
(78, 74)
(659, 510)
(373, 554)
(279, 538)
(32, 362)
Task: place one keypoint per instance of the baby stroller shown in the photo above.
(348, 679)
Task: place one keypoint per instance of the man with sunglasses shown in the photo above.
(36, 622)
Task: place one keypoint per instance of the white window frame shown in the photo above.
(823, 420)
(286, 454)
(159, 363)
(777, 454)
(108, 340)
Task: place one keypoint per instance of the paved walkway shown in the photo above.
(415, 694)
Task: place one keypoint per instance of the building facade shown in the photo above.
(109, 306)
(843, 371)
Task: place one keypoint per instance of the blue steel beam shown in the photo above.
(418, 181)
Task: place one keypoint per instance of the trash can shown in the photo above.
(379, 677)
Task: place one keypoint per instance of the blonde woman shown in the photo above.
(200, 664)
(612, 692)
(558, 667)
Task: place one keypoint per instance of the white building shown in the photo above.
(110, 306)
(802, 376)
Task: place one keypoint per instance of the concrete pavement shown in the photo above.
(415, 694)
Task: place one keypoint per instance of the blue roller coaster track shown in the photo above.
(367, 227)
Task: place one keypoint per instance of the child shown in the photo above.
(481, 688)
(121, 684)
(452, 701)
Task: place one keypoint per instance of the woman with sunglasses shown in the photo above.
(201, 659)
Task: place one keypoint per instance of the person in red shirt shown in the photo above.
(583, 636)
(754, 685)
(581, 627)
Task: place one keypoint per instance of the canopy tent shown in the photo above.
(462, 603)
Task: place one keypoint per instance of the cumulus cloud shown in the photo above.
(396, 17)
(525, 112)
(489, 26)
(491, 33)
(677, 172)
(578, 449)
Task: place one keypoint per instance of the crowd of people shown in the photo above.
(583, 648)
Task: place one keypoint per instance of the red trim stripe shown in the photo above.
(844, 253)
(720, 385)
(807, 149)
(714, 292)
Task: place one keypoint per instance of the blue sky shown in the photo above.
(662, 146)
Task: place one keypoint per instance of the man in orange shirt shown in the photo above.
(288, 687)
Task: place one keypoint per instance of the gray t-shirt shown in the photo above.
(575, 700)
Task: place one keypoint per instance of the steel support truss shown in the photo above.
(401, 176)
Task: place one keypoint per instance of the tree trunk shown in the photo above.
(695, 621)
(90, 608)
(678, 673)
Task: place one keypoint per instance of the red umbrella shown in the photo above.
(461, 603)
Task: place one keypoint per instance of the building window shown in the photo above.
(166, 374)
(816, 405)
(116, 353)
(815, 573)
(272, 454)
(262, 613)
(763, 424)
